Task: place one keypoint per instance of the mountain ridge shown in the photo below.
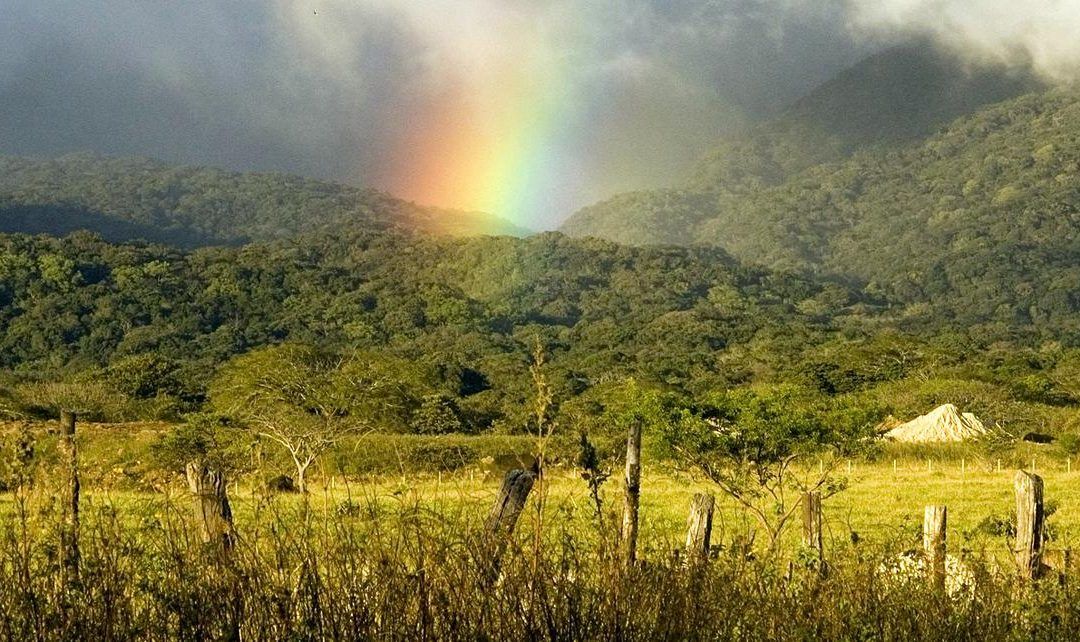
(893, 98)
(129, 198)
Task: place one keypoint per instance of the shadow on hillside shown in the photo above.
(61, 219)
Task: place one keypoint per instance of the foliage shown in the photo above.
(437, 414)
(205, 438)
(746, 441)
(306, 399)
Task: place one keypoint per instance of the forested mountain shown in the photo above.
(978, 221)
(983, 216)
(137, 330)
(132, 198)
(895, 97)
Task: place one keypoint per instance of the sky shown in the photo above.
(528, 109)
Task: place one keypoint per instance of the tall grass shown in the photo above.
(412, 572)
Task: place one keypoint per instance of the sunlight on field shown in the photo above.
(881, 505)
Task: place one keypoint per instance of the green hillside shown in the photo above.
(980, 219)
(975, 222)
(133, 198)
(893, 98)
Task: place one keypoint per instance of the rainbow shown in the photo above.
(493, 142)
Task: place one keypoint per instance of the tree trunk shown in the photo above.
(212, 509)
(301, 478)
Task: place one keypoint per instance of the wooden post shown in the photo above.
(699, 527)
(212, 508)
(812, 531)
(1029, 523)
(69, 530)
(515, 491)
(633, 492)
(934, 525)
(516, 486)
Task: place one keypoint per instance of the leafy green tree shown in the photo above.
(143, 376)
(206, 439)
(438, 414)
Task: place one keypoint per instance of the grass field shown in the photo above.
(882, 503)
(403, 556)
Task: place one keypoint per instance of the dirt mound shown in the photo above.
(942, 424)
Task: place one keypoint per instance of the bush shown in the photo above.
(91, 401)
(1069, 443)
(440, 457)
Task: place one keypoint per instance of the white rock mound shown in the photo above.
(942, 424)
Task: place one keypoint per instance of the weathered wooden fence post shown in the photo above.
(69, 529)
(934, 526)
(633, 492)
(212, 508)
(516, 486)
(1029, 523)
(699, 527)
(812, 536)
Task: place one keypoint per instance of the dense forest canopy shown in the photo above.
(894, 98)
(134, 329)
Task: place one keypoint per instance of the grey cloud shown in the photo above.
(1040, 34)
(266, 86)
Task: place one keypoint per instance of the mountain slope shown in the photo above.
(895, 97)
(984, 215)
(133, 198)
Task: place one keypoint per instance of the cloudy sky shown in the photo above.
(531, 108)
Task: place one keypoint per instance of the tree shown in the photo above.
(747, 441)
(305, 399)
(438, 414)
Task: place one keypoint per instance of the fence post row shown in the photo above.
(1030, 519)
(633, 491)
(699, 527)
(69, 530)
(934, 524)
